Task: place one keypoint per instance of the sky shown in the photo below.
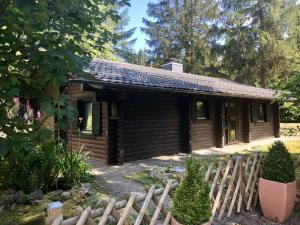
(136, 13)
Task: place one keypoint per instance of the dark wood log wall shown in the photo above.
(260, 130)
(152, 126)
(244, 120)
(95, 145)
(276, 120)
(203, 133)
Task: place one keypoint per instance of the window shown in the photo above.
(85, 116)
(259, 112)
(201, 110)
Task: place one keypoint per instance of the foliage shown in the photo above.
(191, 205)
(278, 164)
(254, 42)
(45, 166)
(41, 44)
(124, 46)
(74, 167)
(290, 99)
(181, 29)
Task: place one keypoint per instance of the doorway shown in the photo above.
(230, 122)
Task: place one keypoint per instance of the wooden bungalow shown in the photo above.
(129, 112)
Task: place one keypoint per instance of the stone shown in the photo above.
(56, 193)
(35, 195)
(36, 202)
(7, 199)
(85, 185)
(20, 197)
(66, 194)
(13, 206)
(83, 192)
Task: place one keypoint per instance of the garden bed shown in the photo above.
(34, 213)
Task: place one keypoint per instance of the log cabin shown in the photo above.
(129, 112)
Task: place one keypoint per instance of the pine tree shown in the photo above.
(124, 48)
(181, 29)
(259, 40)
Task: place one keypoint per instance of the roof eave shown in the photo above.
(166, 89)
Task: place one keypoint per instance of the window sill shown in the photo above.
(202, 120)
(85, 134)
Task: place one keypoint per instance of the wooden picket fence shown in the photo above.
(233, 189)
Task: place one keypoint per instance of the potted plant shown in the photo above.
(277, 185)
(191, 204)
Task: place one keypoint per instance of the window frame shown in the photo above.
(80, 111)
(205, 110)
(256, 116)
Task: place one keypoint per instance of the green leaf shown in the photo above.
(4, 146)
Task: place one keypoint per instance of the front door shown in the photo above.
(230, 122)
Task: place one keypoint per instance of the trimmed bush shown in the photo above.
(192, 205)
(278, 164)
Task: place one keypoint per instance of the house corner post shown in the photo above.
(276, 120)
(122, 111)
(246, 121)
(219, 124)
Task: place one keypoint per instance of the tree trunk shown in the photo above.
(263, 76)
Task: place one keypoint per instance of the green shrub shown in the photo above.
(278, 164)
(75, 167)
(47, 166)
(192, 205)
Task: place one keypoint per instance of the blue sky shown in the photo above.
(136, 13)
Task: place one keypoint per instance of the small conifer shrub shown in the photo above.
(191, 204)
(278, 164)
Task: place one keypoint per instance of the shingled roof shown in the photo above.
(130, 75)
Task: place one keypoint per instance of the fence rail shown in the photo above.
(233, 189)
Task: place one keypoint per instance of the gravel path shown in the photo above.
(112, 179)
(255, 218)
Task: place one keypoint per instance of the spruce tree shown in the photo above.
(181, 29)
(259, 40)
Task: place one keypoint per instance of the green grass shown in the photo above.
(145, 178)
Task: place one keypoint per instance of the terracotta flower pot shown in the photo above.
(277, 200)
(175, 222)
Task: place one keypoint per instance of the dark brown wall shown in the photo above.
(260, 130)
(203, 133)
(276, 120)
(96, 146)
(244, 120)
(151, 126)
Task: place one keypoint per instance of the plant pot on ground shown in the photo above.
(277, 185)
(191, 204)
